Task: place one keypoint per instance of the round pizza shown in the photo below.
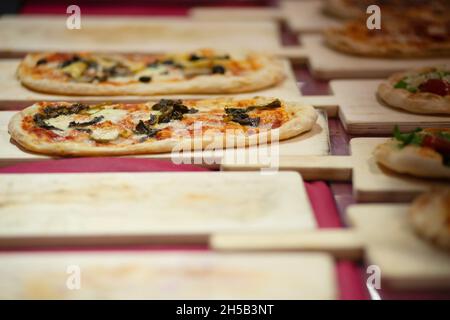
(425, 90)
(397, 38)
(422, 153)
(76, 129)
(202, 71)
(430, 216)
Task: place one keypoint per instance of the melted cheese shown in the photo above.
(103, 135)
(61, 122)
(113, 115)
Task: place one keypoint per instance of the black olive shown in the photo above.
(41, 61)
(194, 57)
(218, 69)
(145, 79)
(168, 62)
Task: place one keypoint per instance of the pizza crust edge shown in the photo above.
(413, 160)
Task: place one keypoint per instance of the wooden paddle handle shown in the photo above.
(341, 243)
(333, 168)
(296, 54)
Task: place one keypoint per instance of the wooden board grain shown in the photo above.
(150, 275)
(12, 93)
(21, 34)
(380, 233)
(108, 208)
(241, 14)
(373, 183)
(362, 112)
(326, 63)
(315, 142)
(307, 16)
(405, 260)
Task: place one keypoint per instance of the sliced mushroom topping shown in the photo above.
(85, 124)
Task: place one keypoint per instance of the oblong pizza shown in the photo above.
(76, 129)
(422, 153)
(202, 71)
(425, 90)
(430, 215)
(397, 38)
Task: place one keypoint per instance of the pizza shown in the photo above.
(356, 9)
(202, 71)
(426, 90)
(429, 215)
(76, 129)
(421, 153)
(397, 38)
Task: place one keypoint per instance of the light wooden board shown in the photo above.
(371, 183)
(362, 112)
(380, 232)
(327, 63)
(171, 276)
(133, 34)
(106, 208)
(315, 142)
(241, 14)
(374, 183)
(12, 93)
(406, 261)
(307, 16)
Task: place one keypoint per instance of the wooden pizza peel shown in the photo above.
(379, 233)
(78, 209)
(167, 275)
(314, 142)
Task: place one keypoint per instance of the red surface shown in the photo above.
(131, 7)
(98, 165)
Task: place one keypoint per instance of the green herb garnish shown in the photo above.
(413, 137)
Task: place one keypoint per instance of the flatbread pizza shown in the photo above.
(202, 71)
(429, 215)
(422, 153)
(397, 38)
(76, 129)
(425, 90)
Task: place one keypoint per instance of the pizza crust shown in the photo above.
(270, 74)
(413, 160)
(302, 119)
(429, 215)
(421, 102)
